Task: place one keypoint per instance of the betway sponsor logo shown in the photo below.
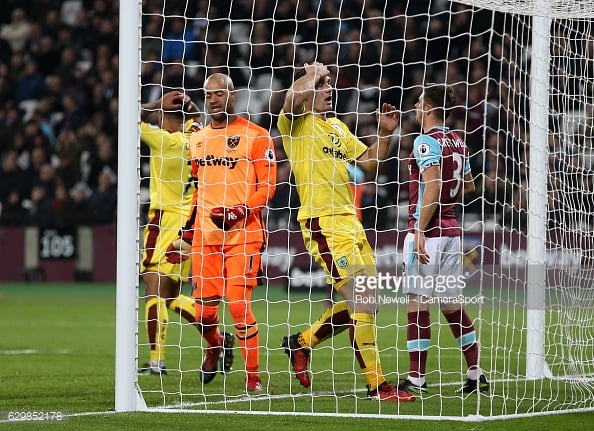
(211, 160)
(336, 153)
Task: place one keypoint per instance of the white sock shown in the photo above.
(474, 373)
(417, 381)
(157, 365)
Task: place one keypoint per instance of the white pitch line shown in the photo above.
(34, 352)
(176, 408)
(58, 324)
(265, 397)
(261, 397)
(19, 352)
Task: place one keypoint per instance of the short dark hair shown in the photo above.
(441, 97)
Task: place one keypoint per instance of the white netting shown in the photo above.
(571, 202)
(548, 8)
(384, 51)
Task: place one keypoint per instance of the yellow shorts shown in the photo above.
(161, 230)
(339, 245)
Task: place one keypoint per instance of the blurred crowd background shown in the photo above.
(59, 96)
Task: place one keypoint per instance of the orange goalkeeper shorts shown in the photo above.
(217, 266)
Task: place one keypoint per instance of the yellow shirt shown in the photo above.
(171, 186)
(319, 151)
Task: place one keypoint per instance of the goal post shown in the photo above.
(537, 200)
(524, 74)
(127, 395)
(542, 12)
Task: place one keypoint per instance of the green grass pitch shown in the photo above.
(57, 355)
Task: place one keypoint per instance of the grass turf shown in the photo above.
(57, 352)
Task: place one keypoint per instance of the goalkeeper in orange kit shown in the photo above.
(234, 167)
(165, 129)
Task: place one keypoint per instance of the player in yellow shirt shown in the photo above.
(165, 129)
(319, 148)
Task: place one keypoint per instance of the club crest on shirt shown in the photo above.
(342, 263)
(335, 139)
(233, 142)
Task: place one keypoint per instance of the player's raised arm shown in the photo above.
(172, 101)
(299, 98)
(388, 119)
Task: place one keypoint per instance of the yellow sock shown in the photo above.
(365, 342)
(156, 324)
(184, 305)
(333, 320)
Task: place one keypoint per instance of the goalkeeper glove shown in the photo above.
(180, 249)
(226, 218)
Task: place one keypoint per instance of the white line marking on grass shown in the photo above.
(266, 397)
(59, 324)
(179, 408)
(34, 352)
(19, 352)
(260, 397)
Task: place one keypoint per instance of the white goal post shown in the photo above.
(524, 74)
(542, 13)
(127, 396)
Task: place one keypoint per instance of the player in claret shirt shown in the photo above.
(234, 166)
(439, 176)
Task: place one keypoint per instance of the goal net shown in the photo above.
(523, 72)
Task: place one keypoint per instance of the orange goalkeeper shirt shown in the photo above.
(232, 165)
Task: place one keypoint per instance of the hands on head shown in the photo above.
(174, 100)
(318, 69)
(177, 100)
